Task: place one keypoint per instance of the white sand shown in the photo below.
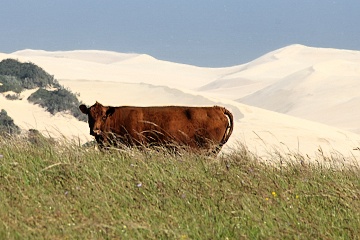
(321, 85)
(290, 80)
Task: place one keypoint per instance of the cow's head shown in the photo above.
(97, 115)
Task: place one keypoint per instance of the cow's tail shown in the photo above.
(229, 128)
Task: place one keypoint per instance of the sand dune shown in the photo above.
(293, 80)
(130, 68)
(103, 57)
(325, 90)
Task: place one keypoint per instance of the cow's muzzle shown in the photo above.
(96, 133)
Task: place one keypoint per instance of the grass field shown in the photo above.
(53, 191)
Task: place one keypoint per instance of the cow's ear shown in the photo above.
(110, 111)
(83, 109)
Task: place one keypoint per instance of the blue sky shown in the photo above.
(211, 33)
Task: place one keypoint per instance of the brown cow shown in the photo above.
(200, 128)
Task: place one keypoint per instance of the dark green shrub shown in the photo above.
(58, 101)
(10, 83)
(12, 96)
(7, 125)
(30, 75)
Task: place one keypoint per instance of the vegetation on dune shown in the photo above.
(55, 191)
(10, 83)
(27, 75)
(7, 125)
(59, 100)
(16, 76)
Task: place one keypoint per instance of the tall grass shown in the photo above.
(65, 191)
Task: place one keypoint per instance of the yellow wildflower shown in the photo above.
(184, 237)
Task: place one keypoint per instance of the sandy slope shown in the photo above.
(131, 68)
(319, 84)
(28, 116)
(133, 79)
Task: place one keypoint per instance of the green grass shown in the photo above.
(62, 191)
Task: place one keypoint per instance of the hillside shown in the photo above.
(319, 84)
(131, 68)
(74, 192)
